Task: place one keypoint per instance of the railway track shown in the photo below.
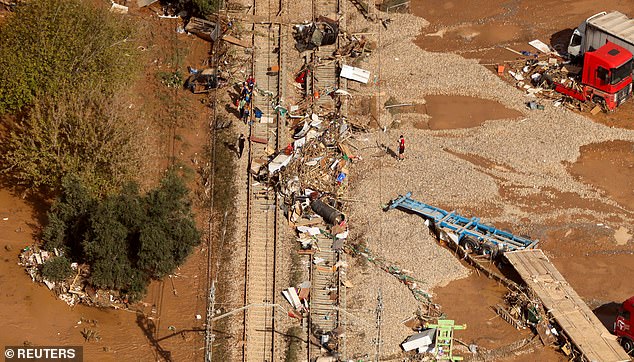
(269, 52)
(262, 208)
(326, 290)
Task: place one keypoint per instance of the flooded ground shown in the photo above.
(471, 112)
(480, 29)
(596, 256)
(484, 327)
(609, 166)
(32, 314)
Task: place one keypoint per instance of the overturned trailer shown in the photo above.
(468, 233)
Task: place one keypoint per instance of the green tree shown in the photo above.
(127, 239)
(57, 269)
(79, 133)
(170, 234)
(68, 218)
(50, 46)
(64, 62)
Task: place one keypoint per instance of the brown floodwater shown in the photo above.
(608, 166)
(469, 301)
(30, 313)
(454, 112)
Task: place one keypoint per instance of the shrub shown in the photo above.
(50, 46)
(57, 269)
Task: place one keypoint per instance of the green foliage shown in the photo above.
(206, 7)
(200, 8)
(50, 46)
(128, 238)
(68, 217)
(57, 269)
(82, 133)
(63, 62)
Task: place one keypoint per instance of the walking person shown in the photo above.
(241, 141)
(401, 148)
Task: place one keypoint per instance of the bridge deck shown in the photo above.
(564, 304)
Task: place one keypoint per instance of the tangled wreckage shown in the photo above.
(309, 36)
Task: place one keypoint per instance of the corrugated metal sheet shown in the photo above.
(616, 23)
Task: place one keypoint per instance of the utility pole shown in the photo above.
(379, 315)
(209, 333)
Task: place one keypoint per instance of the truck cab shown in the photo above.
(575, 46)
(608, 73)
(623, 325)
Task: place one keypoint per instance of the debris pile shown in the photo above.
(539, 76)
(73, 290)
(522, 311)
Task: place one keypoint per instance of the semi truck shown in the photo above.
(599, 29)
(623, 325)
(606, 77)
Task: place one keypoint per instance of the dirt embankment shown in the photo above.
(167, 323)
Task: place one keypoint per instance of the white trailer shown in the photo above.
(600, 28)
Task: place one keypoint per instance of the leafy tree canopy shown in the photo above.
(128, 238)
(63, 62)
(50, 46)
(57, 269)
(81, 133)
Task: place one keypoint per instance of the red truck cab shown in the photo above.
(623, 326)
(606, 76)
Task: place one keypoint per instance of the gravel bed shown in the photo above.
(532, 152)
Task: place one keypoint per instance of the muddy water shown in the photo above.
(31, 313)
(481, 29)
(470, 300)
(484, 35)
(608, 166)
(452, 112)
(483, 326)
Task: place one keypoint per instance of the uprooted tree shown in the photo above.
(64, 62)
(126, 239)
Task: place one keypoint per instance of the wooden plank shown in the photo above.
(235, 41)
(576, 319)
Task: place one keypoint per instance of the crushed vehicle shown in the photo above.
(309, 36)
(605, 79)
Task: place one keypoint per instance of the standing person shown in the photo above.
(240, 145)
(245, 115)
(401, 148)
(241, 105)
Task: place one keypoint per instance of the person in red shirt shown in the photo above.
(401, 148)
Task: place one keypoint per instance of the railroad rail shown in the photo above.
(262, 207)
(325, 294)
